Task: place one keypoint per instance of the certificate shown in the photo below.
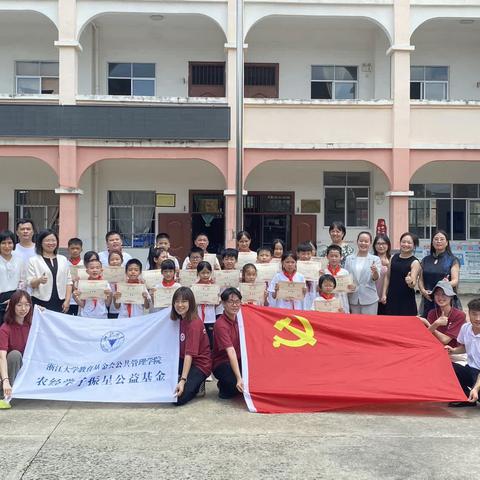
(187, 277)
(343, 282)
(332, 305)
(163, 297)
(114, 274)
(253, 293)
(78, 273)
(131, 293)
(266, 271)
(206, 294)
(152, 277)
(323, 261)
(211, 258)
(290, 290)
(227, 278)
(310, 270)
(246, 257)
(92, 288)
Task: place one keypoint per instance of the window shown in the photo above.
(206, 79)
(332, 82)
(347, 198)
(261, 80)
(132, 213)
(33, 78)
(41, 206)
(454, 208)
(131, 79)
(429, 83)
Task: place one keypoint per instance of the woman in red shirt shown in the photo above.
(13, 338)
(195, 359)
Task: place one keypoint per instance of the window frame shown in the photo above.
(20, 213)
(38, 77)
(423, 82)
(132, 78)
(334, 81)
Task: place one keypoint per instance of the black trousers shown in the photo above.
(73, 310)
(227, 383)
(195, 378)
(467, 376)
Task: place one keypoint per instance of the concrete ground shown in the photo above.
(216, 439)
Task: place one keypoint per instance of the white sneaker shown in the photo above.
(209, 378)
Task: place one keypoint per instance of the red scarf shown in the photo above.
(289, 275)
(129, 305)
(327, 296)
(95, 299)
(171, 283)
(202, 305)
(334, 270)
(75, 261)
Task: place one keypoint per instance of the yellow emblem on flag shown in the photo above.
(304, 337)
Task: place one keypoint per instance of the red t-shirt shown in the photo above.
(455, 321)
(14, 337)
(225, 334)
(194, 342)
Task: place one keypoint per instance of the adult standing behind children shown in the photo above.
(201, 241)
(337, 232)
(365, 269)
(48, 274)
(114, 244)
(25, 248)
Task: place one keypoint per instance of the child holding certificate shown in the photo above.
(74, 258)
(304, 254)
(278, 247)
(168, 282)
(288, 274)
(159, 255)
(249, 277)
(206, 312)
(115, 259)
(195, 359)
(229, 259)
(96, 307)
(326, 286)
(264, 255)
(133, 270)
(195, 256)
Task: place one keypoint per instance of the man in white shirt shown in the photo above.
(25, 248)
(114, 244)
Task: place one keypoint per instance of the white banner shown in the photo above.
(100, 360)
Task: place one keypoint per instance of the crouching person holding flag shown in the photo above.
(195, 359)
(226, 346)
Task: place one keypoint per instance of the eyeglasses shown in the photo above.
(234, 303)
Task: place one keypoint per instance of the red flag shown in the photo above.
(303, 361)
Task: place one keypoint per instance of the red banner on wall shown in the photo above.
(302, 361)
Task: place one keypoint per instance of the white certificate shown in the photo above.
(343, 282)
(187, 277)
(290, 290)
(266, 271)
(114, 274)
(227, 278)
(211, 258)
(310, 270)
(152, 277)
(206, 294)
(253, 293)
(131, 293)
(92, 288)
(163, 297)
(332, 305)
(246, 257)
(78, 272)
(323, 261)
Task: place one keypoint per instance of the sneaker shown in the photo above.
(462, 404)
(209, 378)
(201, 390)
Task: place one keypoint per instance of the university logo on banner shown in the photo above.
(300, 361)
(100, 360)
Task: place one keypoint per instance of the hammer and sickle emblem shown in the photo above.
(304, 336)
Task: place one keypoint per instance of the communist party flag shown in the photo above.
(303, 361)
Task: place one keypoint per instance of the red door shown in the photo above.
(3, 221)
(179, 227)
(304, 229)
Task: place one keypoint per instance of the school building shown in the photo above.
(121, 114)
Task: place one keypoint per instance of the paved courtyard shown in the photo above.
(210, 438)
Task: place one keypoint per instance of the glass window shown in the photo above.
(465, 190)
(475, 219)
(41, 206)
(438, 190)
(132, 213)
(331, 82)
(131, 79)
(33, 78)
(334, 178)
(428, 83)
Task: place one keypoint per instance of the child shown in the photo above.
(288, 274)
(159, 255)
(304, 254)
(249, 275)
(468, 341)
(115, 259)
(326, 286)
(94, 307)
(195, 256)
(206, 312)
(75, 246)
(264, 255)
(168, 271)
(278, 247)
(229, 258)
(162, 240)
(87, 256)
(133, 270)
(334, 268)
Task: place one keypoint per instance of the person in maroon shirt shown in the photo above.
(195, 360)
(444, 320)
(13, 338)
(226, 346)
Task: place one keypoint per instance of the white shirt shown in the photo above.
(24, 253)
(94, 309)
(280, 303)
(104, 257)
(137, 310)
(472, 345)
(12, 273)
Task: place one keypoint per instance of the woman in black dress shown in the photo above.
(401, 278)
